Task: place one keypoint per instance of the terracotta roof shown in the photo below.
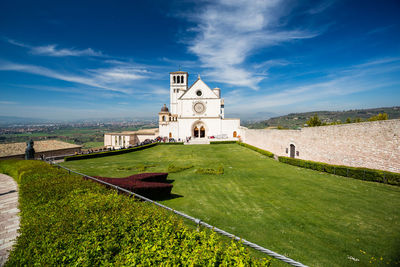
(142, 131)
(39, 146)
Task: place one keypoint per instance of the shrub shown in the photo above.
(108, 153)
(218, 171)
(68, 221)
(222, 142)
(173, 168)
(150, 185)
(259, 150)
(353, 172)
(172, 143)
(139, 167)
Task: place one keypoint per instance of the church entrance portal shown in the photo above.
(292, 150)
(199, 131)
(202, 132)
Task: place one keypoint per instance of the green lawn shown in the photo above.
(92, 144)
(316, 218)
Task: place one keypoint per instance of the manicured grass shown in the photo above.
(316, 218)
(92, 144)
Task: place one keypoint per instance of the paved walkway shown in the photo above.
(9, 219)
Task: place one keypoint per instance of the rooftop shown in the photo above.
(39, 146)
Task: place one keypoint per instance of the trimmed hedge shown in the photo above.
(108, 153)
(172, 143)
(150, 185)
(68, 221)
(223, 142)
(259, 150)
(353, 172)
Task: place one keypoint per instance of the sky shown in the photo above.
(71, 60)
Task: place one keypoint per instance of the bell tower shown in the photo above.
(178, 86)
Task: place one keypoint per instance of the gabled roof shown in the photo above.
(199, 83)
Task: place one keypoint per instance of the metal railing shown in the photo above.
(195, 220)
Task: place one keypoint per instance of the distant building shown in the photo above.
(196, 112)
(128, 138)
(46, 148)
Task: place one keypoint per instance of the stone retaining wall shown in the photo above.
(374, 145)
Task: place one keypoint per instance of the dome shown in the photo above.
(164, 109)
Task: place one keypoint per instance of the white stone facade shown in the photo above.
(196, 112)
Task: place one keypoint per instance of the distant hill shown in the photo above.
(294, 120)
(8, 120)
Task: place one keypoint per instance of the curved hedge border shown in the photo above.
(172, 143)
(353, 172)
(264, 152)
(68, 221)
(223, 142)
(108, 153)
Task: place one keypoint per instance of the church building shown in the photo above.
(196, 112)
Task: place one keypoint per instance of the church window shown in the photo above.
(163, 118)
(174, 79)
(199, 93)
(182, 79)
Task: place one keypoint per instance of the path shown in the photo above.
(9, 218)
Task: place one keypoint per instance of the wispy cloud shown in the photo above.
(320, 7)
(8, 103)
(228, 32)
(107, 79)
(339, 82)
(54, 51)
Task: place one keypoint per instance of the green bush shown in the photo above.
(218, 171)
(222, 142)
(259, 150)
(139, 167)
(108, 153)
(353, 172)
(173, 168)
(175, 143)
(67, 221)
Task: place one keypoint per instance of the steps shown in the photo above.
(198, 141)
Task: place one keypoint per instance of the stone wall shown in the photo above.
(48, 154)
(374, 145)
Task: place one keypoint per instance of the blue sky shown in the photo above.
(71, 60)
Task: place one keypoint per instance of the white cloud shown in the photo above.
(53, 50)
(371, 75)
(8, 103)
(90, 80)
(228, 32)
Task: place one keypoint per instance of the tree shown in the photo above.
(348, 120)
(379, 117)
(314, 121)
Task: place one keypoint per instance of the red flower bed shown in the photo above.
(146, 184)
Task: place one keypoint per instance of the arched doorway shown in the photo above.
(234, 134)
(202, 132)
(292, 150)
(199, 129)
(170, 135)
